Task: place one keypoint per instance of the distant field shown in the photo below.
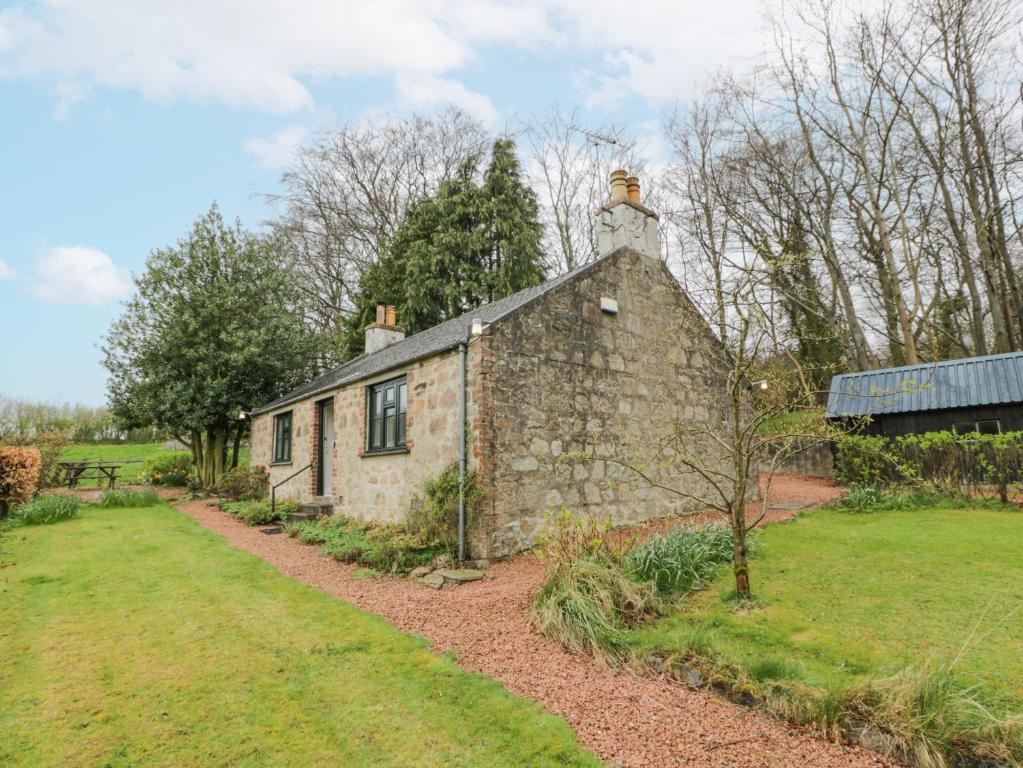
(140, 452)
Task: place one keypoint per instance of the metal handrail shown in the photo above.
(273, 490)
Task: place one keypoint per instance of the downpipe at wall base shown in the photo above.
(461, 455)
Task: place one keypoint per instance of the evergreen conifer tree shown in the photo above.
(473, 242)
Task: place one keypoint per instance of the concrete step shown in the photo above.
(310, 510)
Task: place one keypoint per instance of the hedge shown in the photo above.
(939, 461)
(19, 475)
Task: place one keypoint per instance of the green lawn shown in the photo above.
(845, 595)
(136, 637)
(129, 473)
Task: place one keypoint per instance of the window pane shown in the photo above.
(389, 428)
(401, 428)
(988, 427)
(402, 397)
(389, 393)
(964, 427)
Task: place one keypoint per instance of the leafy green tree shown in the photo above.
(470, 244)
(214, 328)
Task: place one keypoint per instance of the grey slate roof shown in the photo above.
(972, 381)
(442, 337)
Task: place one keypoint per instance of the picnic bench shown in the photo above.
(100, 471)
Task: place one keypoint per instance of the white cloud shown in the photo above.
(278, 150)
(6, 271)
(78, 274)
(257, 55)
(266, 55)
(431, 91)
(659, 50)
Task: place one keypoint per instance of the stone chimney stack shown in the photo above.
(625, 221)
(385, 331)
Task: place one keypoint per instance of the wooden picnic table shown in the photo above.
(100, 471)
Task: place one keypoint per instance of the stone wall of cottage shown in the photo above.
(561, 378)
(374, 487)
(302, 420)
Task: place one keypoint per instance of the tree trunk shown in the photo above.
(740, 564)
(237, 444)
(3, 508)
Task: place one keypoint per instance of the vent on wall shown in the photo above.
(608, 306)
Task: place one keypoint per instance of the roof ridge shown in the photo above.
(430, 341)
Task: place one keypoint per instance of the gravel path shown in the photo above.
(624, 719)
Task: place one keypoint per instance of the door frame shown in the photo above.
(320, 404)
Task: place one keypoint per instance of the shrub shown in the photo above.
(126, 498)
(48, 508)
(864, 459)
(168, 468)
(564, 538)
(19, 475)
(433, 517)
(588, 598)
(386, 548)
(929, 718)
(241, 484)
(586, 604)
(253, 512)
(51, 444)
(682, 559)
(938, 462)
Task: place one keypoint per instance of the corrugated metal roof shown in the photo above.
(971, 381)
(446, 335)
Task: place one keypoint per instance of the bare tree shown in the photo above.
(569, 163)
(346, 194)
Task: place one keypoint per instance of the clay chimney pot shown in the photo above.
(380, 313)
(632, 186)
(618, 186)
(391, 315)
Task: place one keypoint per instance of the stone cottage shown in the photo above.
(601, 362)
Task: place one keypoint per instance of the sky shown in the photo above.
(121, 121)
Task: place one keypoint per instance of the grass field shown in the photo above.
(847, 595)
(129, 473)
(136, 637)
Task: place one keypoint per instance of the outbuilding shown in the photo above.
(973, 394)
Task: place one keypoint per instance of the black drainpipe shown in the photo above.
(461, 457)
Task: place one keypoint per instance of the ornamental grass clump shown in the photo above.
(681, 560)
(129, 498)
(589, 598)
(47, 509)
(927, 717)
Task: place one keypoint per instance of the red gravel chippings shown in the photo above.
(622, 718)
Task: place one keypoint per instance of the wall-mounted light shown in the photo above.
(761, 385)
(477, 326)
(243, 415)
(608, 306)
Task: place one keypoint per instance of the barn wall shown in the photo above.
(1010, 417)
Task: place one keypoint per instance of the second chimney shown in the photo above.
(385, 331)
(625, 222)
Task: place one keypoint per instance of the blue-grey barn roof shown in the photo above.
(969, 382)
(432, 341)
